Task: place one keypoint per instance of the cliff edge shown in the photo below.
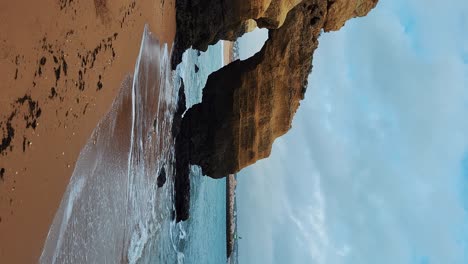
(247, 104)
(204, 22)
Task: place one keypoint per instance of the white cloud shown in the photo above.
(370, 171)
(251, 42)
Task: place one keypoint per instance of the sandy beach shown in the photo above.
(62, 64)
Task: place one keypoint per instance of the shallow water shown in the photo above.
(112, 210)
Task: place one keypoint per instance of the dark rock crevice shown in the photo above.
(182, 171)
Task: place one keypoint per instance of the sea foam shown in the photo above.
(112, 206)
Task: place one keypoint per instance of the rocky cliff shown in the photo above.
(203, 22)
(247, 104)
(339, 11)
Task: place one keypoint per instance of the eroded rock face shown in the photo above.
(203, 22)
(247, 104)
(339, 11)
(161, 180)
(182, 180)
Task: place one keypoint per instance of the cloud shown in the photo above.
(371, 171)
(251, 42)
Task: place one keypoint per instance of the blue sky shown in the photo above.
(375, 168)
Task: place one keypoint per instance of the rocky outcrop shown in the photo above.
(161, 180)
(339, 11)
(247, 104)
(203, 22)
(182, 179)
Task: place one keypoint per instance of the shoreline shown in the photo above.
(59, 81)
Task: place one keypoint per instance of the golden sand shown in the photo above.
(62, 63)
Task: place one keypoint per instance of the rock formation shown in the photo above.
(339, 11)
(182, 179)
(203, 22)
(161, 180)
(247, 104)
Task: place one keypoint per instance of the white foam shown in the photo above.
(112, 208)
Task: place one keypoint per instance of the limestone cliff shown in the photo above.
(203, 22)
(247, 104)
(339, 11)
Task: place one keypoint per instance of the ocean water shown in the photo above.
(112, 211)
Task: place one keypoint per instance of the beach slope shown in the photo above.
(62, 65)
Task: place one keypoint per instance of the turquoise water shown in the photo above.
(206, 228)
(112, 210)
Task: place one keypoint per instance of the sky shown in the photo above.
(375, 168)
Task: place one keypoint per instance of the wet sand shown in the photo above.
(62, 64)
